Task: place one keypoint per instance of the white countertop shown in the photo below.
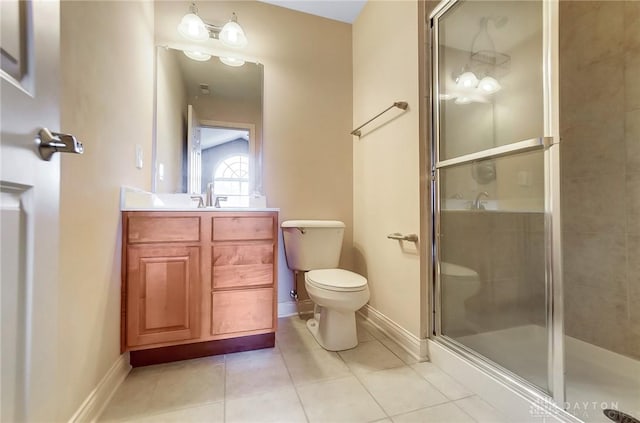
(202, 209)
(133, 199)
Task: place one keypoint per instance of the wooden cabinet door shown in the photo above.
(163, 294)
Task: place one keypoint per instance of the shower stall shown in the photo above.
(536, 197)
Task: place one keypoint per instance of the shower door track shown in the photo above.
(553, 258)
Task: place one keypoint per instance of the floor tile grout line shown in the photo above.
(371, 395)
(295, 388)
(224, 392)
(447, 399)
(435, 387)
(383, 344)
(463, 410)
(432, 406)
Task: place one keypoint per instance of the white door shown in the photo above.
(194, 152)
(29, 189)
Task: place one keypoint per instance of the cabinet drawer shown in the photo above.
(242, 228)
(241, 311)
(242, 265)
(163, 229)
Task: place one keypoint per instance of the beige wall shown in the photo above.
(171, 120)
(307, 149)
(107, 93)
(386, 171)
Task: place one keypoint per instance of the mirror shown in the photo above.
(208, 127)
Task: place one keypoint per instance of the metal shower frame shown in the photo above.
(550, 144)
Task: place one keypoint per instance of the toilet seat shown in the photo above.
(336, 280)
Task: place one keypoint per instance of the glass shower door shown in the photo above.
(493, 183)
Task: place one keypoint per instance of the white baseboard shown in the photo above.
(98, 399)
(413, 345)
(287, 308)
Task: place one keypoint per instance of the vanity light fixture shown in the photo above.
(194, 28)
(232, 34)
(232, 61)
(467, 80)
(489, 85)
(197, 55)
(477, 79)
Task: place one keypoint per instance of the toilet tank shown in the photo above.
(312, 244)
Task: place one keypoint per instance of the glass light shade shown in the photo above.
(197, 55)
(232, 61)
(489, 85)
(233, 35)
(467, 80)
(463, 100)
(193, 28)
(446, 97)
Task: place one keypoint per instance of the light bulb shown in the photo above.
(467, 80)
(232, 61)
(197, 55)
(489, 85)
(193, 28)
(232, 34)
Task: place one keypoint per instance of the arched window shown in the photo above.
(231, 179)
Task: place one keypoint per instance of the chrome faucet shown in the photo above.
(210, 195)
(212, 199)
(477, 205)
(218, 199)
(198, 198)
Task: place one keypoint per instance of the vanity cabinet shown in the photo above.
(196, 279)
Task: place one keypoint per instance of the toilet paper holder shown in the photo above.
(400, 237)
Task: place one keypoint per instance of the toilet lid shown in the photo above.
(336, 280)
(451, 269)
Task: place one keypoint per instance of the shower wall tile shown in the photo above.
(633, 274)
(576, 9)
(593, 93)
(506, 254)
(631, 27)
(598, 33)
(633, 204)
(595, 203)
(593, 148)
(599, 320)
(632, 139)
(600, 164)
(631, 80)
(535, 222)
(595, 263)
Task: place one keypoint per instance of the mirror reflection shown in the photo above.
(208, 130)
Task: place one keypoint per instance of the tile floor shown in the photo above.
(298, 381)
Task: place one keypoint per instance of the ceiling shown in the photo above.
(210, 137)
(339, 10)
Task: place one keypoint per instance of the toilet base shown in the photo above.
(335, 330)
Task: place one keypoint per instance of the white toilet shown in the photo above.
(458, 284)
(313, 246)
